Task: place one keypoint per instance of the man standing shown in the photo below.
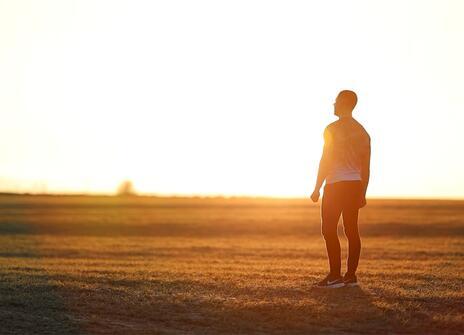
(344, 167)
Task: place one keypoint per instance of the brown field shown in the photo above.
(141, 265)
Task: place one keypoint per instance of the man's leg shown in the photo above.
(350, 225)
(330, 214)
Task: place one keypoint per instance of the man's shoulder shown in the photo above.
(332, 126)
(329, 132)
(361, 128)
(352, 126)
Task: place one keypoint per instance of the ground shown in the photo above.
(144, 265)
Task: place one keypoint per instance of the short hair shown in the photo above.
(348, 99)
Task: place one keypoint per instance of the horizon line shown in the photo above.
(213, 195)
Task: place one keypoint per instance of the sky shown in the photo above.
(227, 97)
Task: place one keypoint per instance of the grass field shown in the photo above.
(140, 265)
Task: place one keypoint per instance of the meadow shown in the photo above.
(149, 265)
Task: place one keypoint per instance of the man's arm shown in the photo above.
(323, 168)
(365, 174)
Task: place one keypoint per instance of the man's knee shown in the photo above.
(351, 232)
(329, 231)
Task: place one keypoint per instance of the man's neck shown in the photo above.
(345, 117)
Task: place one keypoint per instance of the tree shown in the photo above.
(126, 188)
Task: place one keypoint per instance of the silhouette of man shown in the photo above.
(344, 167)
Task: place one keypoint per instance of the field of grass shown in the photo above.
(141, 265)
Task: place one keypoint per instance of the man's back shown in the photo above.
(346, 143)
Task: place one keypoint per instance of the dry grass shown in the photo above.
(102, 265)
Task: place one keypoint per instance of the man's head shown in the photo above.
(345, 103)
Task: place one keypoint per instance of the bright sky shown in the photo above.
(227, 97)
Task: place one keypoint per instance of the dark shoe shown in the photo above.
(350, 280)
(331, 282)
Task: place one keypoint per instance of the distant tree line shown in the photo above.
(126, 188)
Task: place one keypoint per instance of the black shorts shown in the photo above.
(344, 195)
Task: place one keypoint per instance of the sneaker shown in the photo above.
(350, 280)
(331, 282)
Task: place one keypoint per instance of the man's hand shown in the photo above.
(315, 195)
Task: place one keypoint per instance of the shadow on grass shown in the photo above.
(343, 311)
(197, 309)
(29, 305)
(351, 310)
(114, 229)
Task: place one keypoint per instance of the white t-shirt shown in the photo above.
(346, 142)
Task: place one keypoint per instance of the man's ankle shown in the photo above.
(335, 275)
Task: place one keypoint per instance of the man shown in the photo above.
(344, 167)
